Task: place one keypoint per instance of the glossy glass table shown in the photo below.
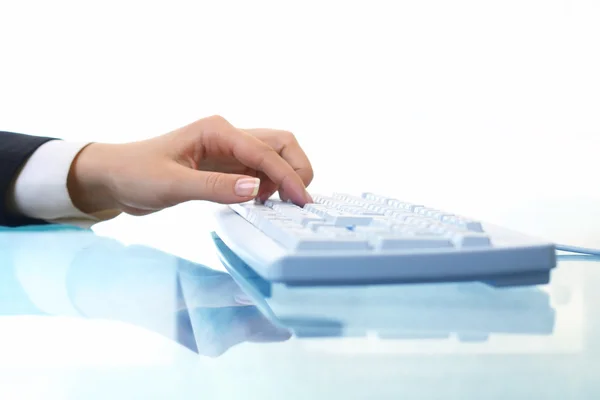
(87, 316)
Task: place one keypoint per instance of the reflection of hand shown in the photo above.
(208, 288)
(74, 272)
(209, 159)
(220, 314)
(218, 329)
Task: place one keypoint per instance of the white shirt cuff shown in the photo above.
(40, 189)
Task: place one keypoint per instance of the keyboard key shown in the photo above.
(463, 223)
(266, 213)
(336, 217)
(356, 201)
(398, 215)
(305, 218)
(349, 209)
(379, 221)
(308, 240)
(411, 207)
(439, 215)
(263, 222)
(344, 198)
(370, 212)
(393, 203)
(281, 206)
(406, 242)
(472, 240)
(314, 225)
(343, 219)
(336, 231)
(473, 226)
(311, 243)
(377, 208)
(326, 200)
(418, 221)
(291, 211)
(403, 205)
(374, 197)
(367, 231)
(276, 227)
(302, 217)
(318, 209)
(438, 229)
(355, 210)
(432, 213)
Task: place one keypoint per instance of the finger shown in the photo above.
(286, 144)
(190, 184)
(267, 189)
(292, 153)
(257, 155)
(289, 149)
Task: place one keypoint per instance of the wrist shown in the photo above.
(88, 182)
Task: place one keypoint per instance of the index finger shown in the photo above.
(257, 155)
(286, 144)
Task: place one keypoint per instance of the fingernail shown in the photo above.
(245, 187)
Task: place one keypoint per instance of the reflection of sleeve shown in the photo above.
(73, 272)
(13, 298)
(42, 261)
(40, 190)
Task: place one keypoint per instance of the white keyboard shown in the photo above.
(372, 238)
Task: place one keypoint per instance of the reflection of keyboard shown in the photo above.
(371, 238)
(471, 310)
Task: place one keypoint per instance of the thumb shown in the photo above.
(215, 186)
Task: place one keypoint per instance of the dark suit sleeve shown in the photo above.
(15, 150)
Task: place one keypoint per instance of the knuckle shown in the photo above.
(213, 128)
(216, 120)
(213, 182)
(287, 137)
(310, 175)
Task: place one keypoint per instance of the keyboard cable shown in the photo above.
(578, 250)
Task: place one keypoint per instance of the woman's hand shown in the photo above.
(207, 160)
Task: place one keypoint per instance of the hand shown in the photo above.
(221, 314)
(207, 160)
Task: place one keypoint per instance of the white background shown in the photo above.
(490, 108)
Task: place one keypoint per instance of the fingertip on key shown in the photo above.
(309, 198)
